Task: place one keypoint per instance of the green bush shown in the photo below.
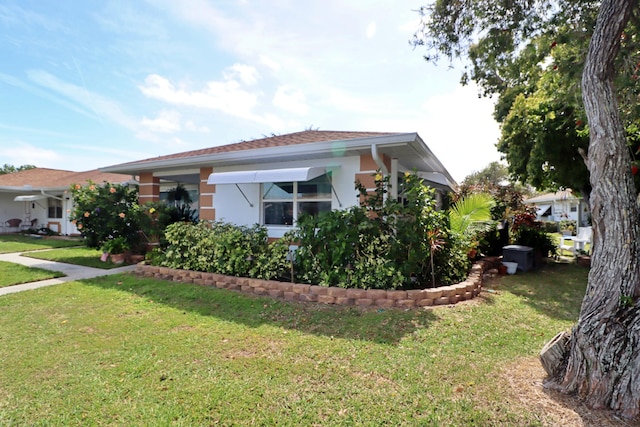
(568, 224)
(382, 244)
(225, 249)
(550, 226)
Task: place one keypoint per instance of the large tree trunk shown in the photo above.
(603, 365)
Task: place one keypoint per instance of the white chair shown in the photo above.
(579, 241)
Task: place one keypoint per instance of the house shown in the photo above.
(41, 196)
(272, 180)
(559, 206)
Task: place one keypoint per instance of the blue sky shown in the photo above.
(91, 84)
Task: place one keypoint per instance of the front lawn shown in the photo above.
(15, 274)
(78, 256)
(121, 350)
(21, 243)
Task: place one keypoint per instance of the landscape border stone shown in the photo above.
(444, 295)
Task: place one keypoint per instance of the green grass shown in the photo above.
(121, 350)
(21, 243)
(78, 256)
(14, 274)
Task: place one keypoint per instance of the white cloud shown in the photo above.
(226, 96)
(192, 127)
(21, 153)
(371, 30)
(269, 63)
(290, 99)
(166, 122)
(83, 100)
(246, 73)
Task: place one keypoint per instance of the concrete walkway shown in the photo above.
(73, 272)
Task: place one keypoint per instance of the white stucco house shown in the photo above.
(559, 206)
(272, 180)
(40, 197)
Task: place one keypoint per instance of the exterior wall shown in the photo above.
(231, 206)
(561, 210)
(149, 189)
(368, 167)
(38, 209)
(10, 209)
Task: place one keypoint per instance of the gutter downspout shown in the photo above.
(49, 195)
(378, 160)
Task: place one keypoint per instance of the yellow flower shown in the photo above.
(378, 177)
(112, 190)
(86, 214)
(407, 174)
(152, 210)
(121, 214)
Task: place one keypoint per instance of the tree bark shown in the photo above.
(603, 365)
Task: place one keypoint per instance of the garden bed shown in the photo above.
(443, 295)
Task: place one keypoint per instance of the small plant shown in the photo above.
(117, 245)
(626, 301)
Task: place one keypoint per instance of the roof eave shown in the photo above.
(313, 148)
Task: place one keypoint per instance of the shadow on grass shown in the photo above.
(556, 289)
(385, 326)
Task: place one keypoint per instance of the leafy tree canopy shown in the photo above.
(530, 55)
(7, 168)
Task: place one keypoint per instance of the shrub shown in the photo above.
(568, 224)
(381, 244)
(551, 226)
(225, 249)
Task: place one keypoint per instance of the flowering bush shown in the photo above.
(105, 212)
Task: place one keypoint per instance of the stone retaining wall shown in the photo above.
(329, 295)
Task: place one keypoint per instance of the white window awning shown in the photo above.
(29, 198)
(542, 209)
(269, 175)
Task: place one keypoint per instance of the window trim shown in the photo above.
(295, 200)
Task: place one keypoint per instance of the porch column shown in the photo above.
(207, 211)
(149, 188)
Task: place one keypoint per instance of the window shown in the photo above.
(574, 208)
(55, 208)
(284, 202)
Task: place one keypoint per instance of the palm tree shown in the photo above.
(471, 216)
(179, 196)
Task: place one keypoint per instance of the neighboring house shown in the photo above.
(271, 181)
(559, 206)
(42, 195)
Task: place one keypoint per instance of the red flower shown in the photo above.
(634, 169)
